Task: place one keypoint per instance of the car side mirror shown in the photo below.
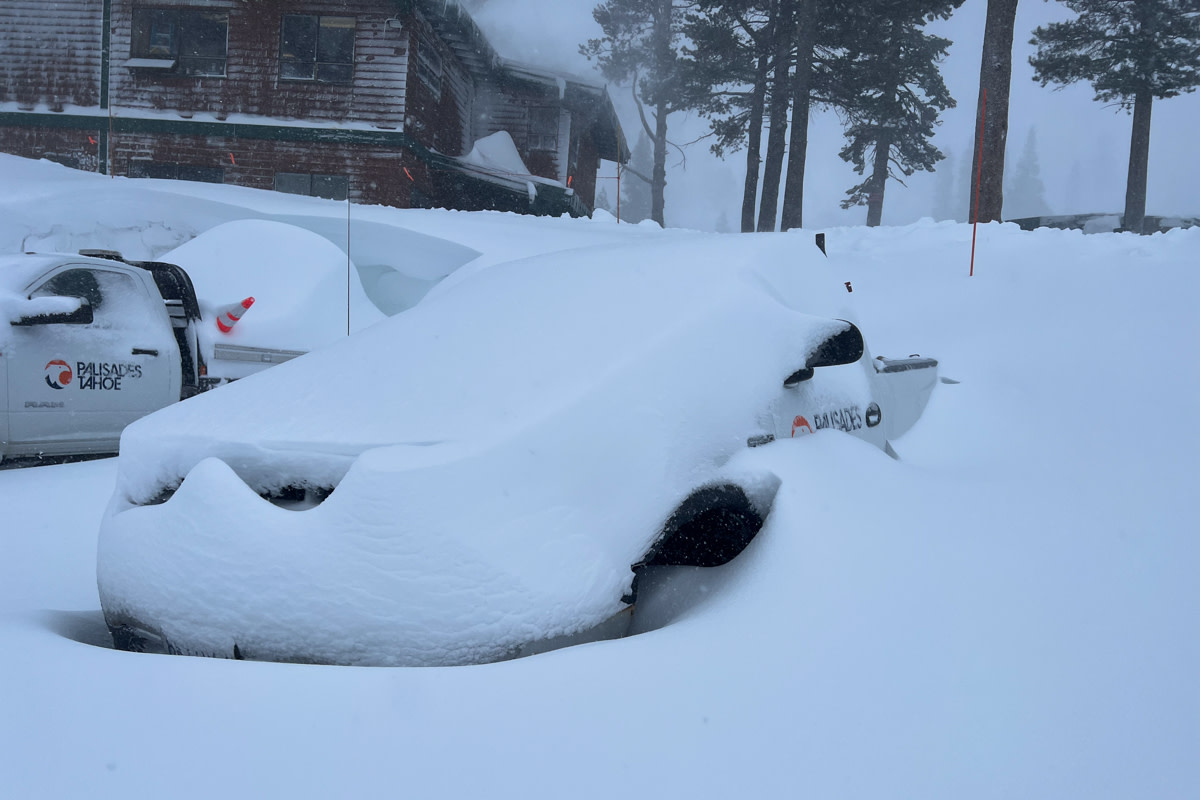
(844, 347)
(54, 311)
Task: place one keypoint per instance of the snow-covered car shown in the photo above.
(484, 475)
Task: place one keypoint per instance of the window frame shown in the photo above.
(339, 185)
(151, 47)
(537, 137)
(324, 66)
(173, 171)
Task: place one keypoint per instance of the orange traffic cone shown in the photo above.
(229, 315)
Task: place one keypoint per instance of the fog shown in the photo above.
(1082, 145)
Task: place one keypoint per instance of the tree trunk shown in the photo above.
(792, 215)
(658, 183)
(776, 135)
(879, 176)
(663, 56)
(1139, 161)
(995, 75)
(754, 141)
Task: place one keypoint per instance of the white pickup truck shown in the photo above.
(91, 342)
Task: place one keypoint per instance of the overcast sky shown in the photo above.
(1083, 146)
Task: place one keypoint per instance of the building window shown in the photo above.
(429, 66)
(331, 187)
(176, 172)
(313, 48)
(543, 129)
(190, 41)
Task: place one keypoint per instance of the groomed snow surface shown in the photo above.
(1008, 611)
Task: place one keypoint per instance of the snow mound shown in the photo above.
(499, 455)
(301, 283)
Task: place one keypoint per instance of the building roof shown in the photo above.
(582, 96)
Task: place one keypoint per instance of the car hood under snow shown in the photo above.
(499, 456)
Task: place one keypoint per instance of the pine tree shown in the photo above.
(890, 93)
(602, 200)
(729, 51)
(1131, 53)
(641, 44)
(1026, 194)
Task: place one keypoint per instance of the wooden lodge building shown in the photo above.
(380, 101)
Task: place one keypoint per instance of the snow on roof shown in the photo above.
(497, 153)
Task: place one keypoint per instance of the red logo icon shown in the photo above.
(801, 424)
(58, 374)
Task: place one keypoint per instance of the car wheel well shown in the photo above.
(708, 529)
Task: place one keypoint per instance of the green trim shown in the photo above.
(550, 200)
(35, 119)
(105, 53)
(235, 130)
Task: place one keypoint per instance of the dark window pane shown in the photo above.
(296, 70)
(331, 187)
(202, 66)
(191, 172)
(153, 169)
(335, 73)
(203, 34)
(293, 183)
(153, 33)
(336, 41)
(299, 38)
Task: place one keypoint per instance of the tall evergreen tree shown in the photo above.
(1131, 53)
(763, 57)
(730, 50)
(890, 92)
(1026, 194)
(602, 200)
(783, 25)
(995, 79)
(640, 44)
(808, 20)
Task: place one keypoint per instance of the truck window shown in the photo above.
(117, 301)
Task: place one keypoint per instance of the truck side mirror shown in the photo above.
(844, 347)
(39, 312)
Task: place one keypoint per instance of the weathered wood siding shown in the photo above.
(508, 107)
(377, 177)
(252, 84)
(78, 149)
(441, 119)
(50, 53)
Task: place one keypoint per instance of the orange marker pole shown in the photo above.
(978, 178)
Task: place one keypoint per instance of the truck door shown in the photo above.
(73, 388)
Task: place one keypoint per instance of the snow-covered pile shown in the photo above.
(498, 154)
(494, 484)
(1008, 611)
(304, 286)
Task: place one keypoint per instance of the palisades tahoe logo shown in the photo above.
(91, 375)
(58, 374)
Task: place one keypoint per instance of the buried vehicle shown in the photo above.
(89, 342)
(484, 475)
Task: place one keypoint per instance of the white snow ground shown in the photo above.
(1009, 611)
